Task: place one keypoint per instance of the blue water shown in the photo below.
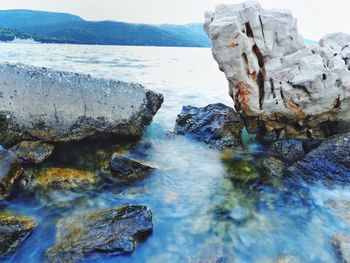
(203, 210)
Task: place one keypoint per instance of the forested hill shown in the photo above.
(50, 27)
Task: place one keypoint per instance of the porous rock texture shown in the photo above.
(53, 106)
(278, 84)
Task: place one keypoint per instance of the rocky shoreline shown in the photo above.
(292, 99)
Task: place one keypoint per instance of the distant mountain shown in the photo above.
(50, 27)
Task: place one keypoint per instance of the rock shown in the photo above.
(127, 169)
(55, 178)
(216, 124)
(72, 106)
(329, 161)
(341, 207)
(13, 231)
(10, 172)
(289, 150)
(274, 167)
(277, 84)
(114, 231)
(32, 152)
(287, 259)
(341, 243)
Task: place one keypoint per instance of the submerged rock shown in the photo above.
(277, 84)
(329, 161)
(114, 231)
(287, 259)
(341, 243)
(32, 152)
(55, 178)
(10, 172)
(124, 168)
(341, 207)
(274, 167)
(60, 106)
(13, 231)
(216, 124)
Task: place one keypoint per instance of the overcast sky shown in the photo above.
(315, 17)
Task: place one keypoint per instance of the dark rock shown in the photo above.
(216, 124)
(13, 231)
(32, 152)
(273, 167)
(330, 161)
(289, 150)
(124, 168)
(10, 172)
(341, 243)
(114, 231)
(72, 106)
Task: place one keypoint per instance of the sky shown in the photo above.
(315, 17)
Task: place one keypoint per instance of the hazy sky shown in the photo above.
(315, 17)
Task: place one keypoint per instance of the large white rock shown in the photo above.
(273, 77)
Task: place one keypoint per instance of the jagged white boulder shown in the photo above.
(274, 79)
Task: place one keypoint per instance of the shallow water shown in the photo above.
(203, 210)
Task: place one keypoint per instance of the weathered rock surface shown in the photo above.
(10, 172)
(127, 169)
(114, 231)
(342, 244)
(216, 124)
(329, 161)
(32, 152)
(42, 104)
(13, 231)
(277, 83)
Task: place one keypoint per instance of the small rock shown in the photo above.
(32, 152)
(341, 243)
(116, 231)
(287, 259)
(124, 168)
(274, 167)
(13, 231)
(329, 161)
(216, 124)
(289, 150)
(10, 172)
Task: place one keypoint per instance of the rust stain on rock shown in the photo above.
(243, 93)
(295, 108)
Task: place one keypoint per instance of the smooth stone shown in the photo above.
(216, 124)
(123, 168)
(32, 152)
(113, 231)
(10, 172)
(13, 231)
(341, 243)
(330, 161)
(72, 106)
(278, 85)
